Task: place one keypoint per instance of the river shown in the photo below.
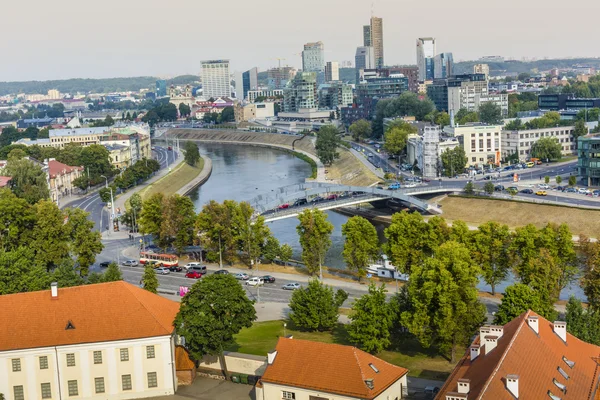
(242, 172)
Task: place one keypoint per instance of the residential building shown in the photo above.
(520, 142)
(499, 99)
(332, 71)
(254, 94)
(382, 87)
(443, 65)
(35, 122)
(465, 92)
(54, 94)
(367, 36)
(301, 93)
(425, 54)
(527, 358)
(244, 82)
(556, 102)
(61, 177)
(437, 91)
(482, 143)
(313, 57)
(161, 88)
(364, 59)
(335, 95)
(306, 370)
(411, 72)
(252, 111)
(377, 41)
(83, 344)
(588, 164)
(278, 78)
(215, 78)
(482, 69)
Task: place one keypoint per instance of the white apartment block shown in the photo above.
(216, 79)
(313, 57)
(471, 94)
(254, 94)
(482, 143)
(332, 71)
(520, 142)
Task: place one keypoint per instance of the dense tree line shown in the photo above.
(407, 104)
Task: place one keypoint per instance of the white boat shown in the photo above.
(384, 269)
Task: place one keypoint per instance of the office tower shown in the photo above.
(161, 88)
(301, 93)
(425, 54)
(367, 35)
(332, 71)
(313, 57)
(364, 59)
(482, 69)
(443, 64)
(278, 78)
(215, 79)
(244, 82)
(377, 40)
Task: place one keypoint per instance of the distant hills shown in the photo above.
(517, 67)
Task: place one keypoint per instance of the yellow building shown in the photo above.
(61, 177)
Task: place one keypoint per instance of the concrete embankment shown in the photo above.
(198, 180)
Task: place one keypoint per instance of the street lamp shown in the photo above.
(112, 201)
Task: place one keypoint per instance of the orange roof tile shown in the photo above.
(330, 368)
(535, 359)
(56, 168)
(100, 313)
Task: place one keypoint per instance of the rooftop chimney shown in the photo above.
(483, 332)
(369, 383)
(464, 385)
(497, 330)
(560, 328)
(54, 290)
(512, 384)
(474, 352)
(533, 323)
(490, 343)
(271, 356)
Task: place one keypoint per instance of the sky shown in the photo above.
(64, 39)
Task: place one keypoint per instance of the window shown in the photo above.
(149, 351)
(152, 380)
(99, 384)
(374, 368)
(124, 354)
(559, 385)
(44, 362)
(73, 391)
(97, 357)
(571, 364)
(553, 396)
(563, 373)
(46, 391)
(16, 364)
(288, 395)
(18, 392)
(71, 360)
(126, 382)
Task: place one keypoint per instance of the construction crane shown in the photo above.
(279, 60)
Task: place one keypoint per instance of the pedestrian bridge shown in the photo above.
(268, 204)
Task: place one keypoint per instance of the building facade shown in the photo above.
(332, 71)
(335, 95)
(520, 142)
(301, 93)
(377, 41)
(425, 55)
(313, 57)
(588, 163)
(482, 69)
(367, 35)
(215, 79)
(161, 88)
(364, 59)
(443, 65)
(254, 94)
(61, 177)
(252, 111)
(556, 102)
(278, 78)
(244, 82)
(482, 143)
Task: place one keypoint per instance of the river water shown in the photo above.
(242, 172)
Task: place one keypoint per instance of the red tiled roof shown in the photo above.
(330, 368)
(100, 313)
(56, 168)
(535, 359)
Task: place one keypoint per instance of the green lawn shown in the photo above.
(262, 337)
(174, 180)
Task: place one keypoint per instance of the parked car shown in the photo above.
(499, 188)
(193, 275)
(104, 264)
(541, 193)
(431, 391)
(394, 186)
(241, 276)
(130, 263)
(512, 189)
(317, 199)
(283, 206)
(560, 188)
(291, 286)
(201, 269)
(256, 281)
(596, 193)
(527, 191)
(300, 202)
(543, 186)
(487, 178)
(332, 197)
(570, 190)
(162, 271)
(268, 279)
(192, 264)
(175, 268)
(222, 272)
(582, 191)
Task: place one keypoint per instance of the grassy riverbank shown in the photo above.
(169, 184)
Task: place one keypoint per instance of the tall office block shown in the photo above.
(332, 71)
(313, 57)
(161, 88)
(482, 69)
(443, 65)
(425, 54)
(246, 81)
(377, 40)
(364, 59)
(215, 79)
(367, 35)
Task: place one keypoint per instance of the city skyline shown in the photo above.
(126, 44)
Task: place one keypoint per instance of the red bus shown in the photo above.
(159, 260)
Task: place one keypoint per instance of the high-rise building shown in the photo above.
(482, 69)
(425, 54)
(367, 35)
(215, 79)
(161, 88)
(278, 78)
(411, 72)
(364, 59)
(301, 93)
(244, 82)
(332, 71)
(377, 40)
(335, 95)
(313, 57)
(443, 65)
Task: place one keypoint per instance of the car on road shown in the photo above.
(582, 191)
(241, 276)
(192, 264)
(512, 189)
(169, 148)
(175, 268)
(543, 186)
(541, 193)
(394, 186)
(104, 264)
(193, 275)
(596, 193)
(268, 279)
(162, 271)
(332, 197)
(487, 178)
(499, 188)
(527, 191)
(410, 185)
(317, 199)
(130, 263)
(291, 286)
(560, 188)
(283, 206)
(256, 281)
(222, 272)
(300, 202)
(571, 190)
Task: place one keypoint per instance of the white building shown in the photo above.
(482, 143)
(254, 94)
(425, 55)
(332, 71)
(427, 148)
(482, 69)
(109, 340)
(520, 142)
(313, 57)
(215, 79)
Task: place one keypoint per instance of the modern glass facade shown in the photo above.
(588, 163)
(438, 93)
(161, 88)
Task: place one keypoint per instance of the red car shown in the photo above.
(193, 275)
(332, 197)
(284, 206)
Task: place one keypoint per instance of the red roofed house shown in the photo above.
(61, 178)
(306, 370)
(104, 341)
(528, 358)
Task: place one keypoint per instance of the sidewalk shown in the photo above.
(363, 159)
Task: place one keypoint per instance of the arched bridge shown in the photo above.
(289, 201)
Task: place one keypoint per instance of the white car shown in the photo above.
(130, 263)
(192, 264)
(241, 276)
(291, 286)
(583, 191)
(255, 281)
(543, 186)
(162, 271)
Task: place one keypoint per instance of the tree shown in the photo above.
(112, 273)
(28, 180)
(149, 279)
(177, 222)
(192, 155)
(184, 110)
(361, 244)
(546, 179)
(360, 129)
(285, 253)
(372, 320)
(316, 308)
(314, 231)
(85, 242)
(590, 281)
(444, 307)
(49, 234)
(328, 139)
(271, 249)
(489, 187)
(558, 179)
(547, 148)
(16, 154)
(463, 116)
(583, 324)
(251, 233)
(572, 180)
(214, 228)
(454, 161)
(396, 136)
(406, 244)
(518, 299)
(227, 115)
(490, 251)
(469, 188)
(66, 276)
(151, 216)
(214, 310)
(490, 113)
(580, 129)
